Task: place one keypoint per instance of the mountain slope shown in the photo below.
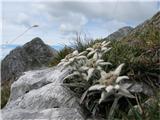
(145, 34)
(122, 32)
(32, 55)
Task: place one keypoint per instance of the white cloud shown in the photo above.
(58, 20)
(73, 16)
(0, 24)
(23, 19)
(73, 23)
(67, 20)
(120, 10)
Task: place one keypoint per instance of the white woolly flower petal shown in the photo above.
(63, 60)
(118, 69)
(99, 55)
(109, 88)
(99, 61)
(104, 48)
(96, 87)
(83, 96)
(125, 92)
(61, 63)
(103, 97)
(103, 74)
(105, 63)
(99, 67)
(75, 52)
(90, 53)
(120, 78)
(92, 88)
(81, 61)
(90, 49)
(105, 44)
(95, 56)
(71, 59)
(90, 73)
(67, 63)
(71, 75)
(84, 68)
(81, 57)
(108, 49)
(117, 87)
(83, 53)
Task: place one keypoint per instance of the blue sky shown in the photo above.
(59, 20)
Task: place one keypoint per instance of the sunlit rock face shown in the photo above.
(40, 94)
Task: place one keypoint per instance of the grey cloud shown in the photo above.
(72, 16)
(23, 19)
(73, 23)
(134, 11)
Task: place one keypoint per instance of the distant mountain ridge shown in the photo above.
(143, 34)
(32, 55)
(120, 33)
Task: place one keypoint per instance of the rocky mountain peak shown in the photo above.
(31, 55)
(35, 41)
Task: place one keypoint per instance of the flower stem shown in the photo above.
(112, 110)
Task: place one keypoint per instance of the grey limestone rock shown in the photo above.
(40, 94)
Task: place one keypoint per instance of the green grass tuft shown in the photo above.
(5, 93)
(60, 55)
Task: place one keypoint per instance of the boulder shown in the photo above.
(40, 94)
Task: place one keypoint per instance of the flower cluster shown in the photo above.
(85, 64)
(109, 85)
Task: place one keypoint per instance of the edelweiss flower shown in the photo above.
(109, 85)
(93, 65)
(116, 90)
(74, 57)
(87, 70)
(112, 77)
(107, 91)
(98, 50)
